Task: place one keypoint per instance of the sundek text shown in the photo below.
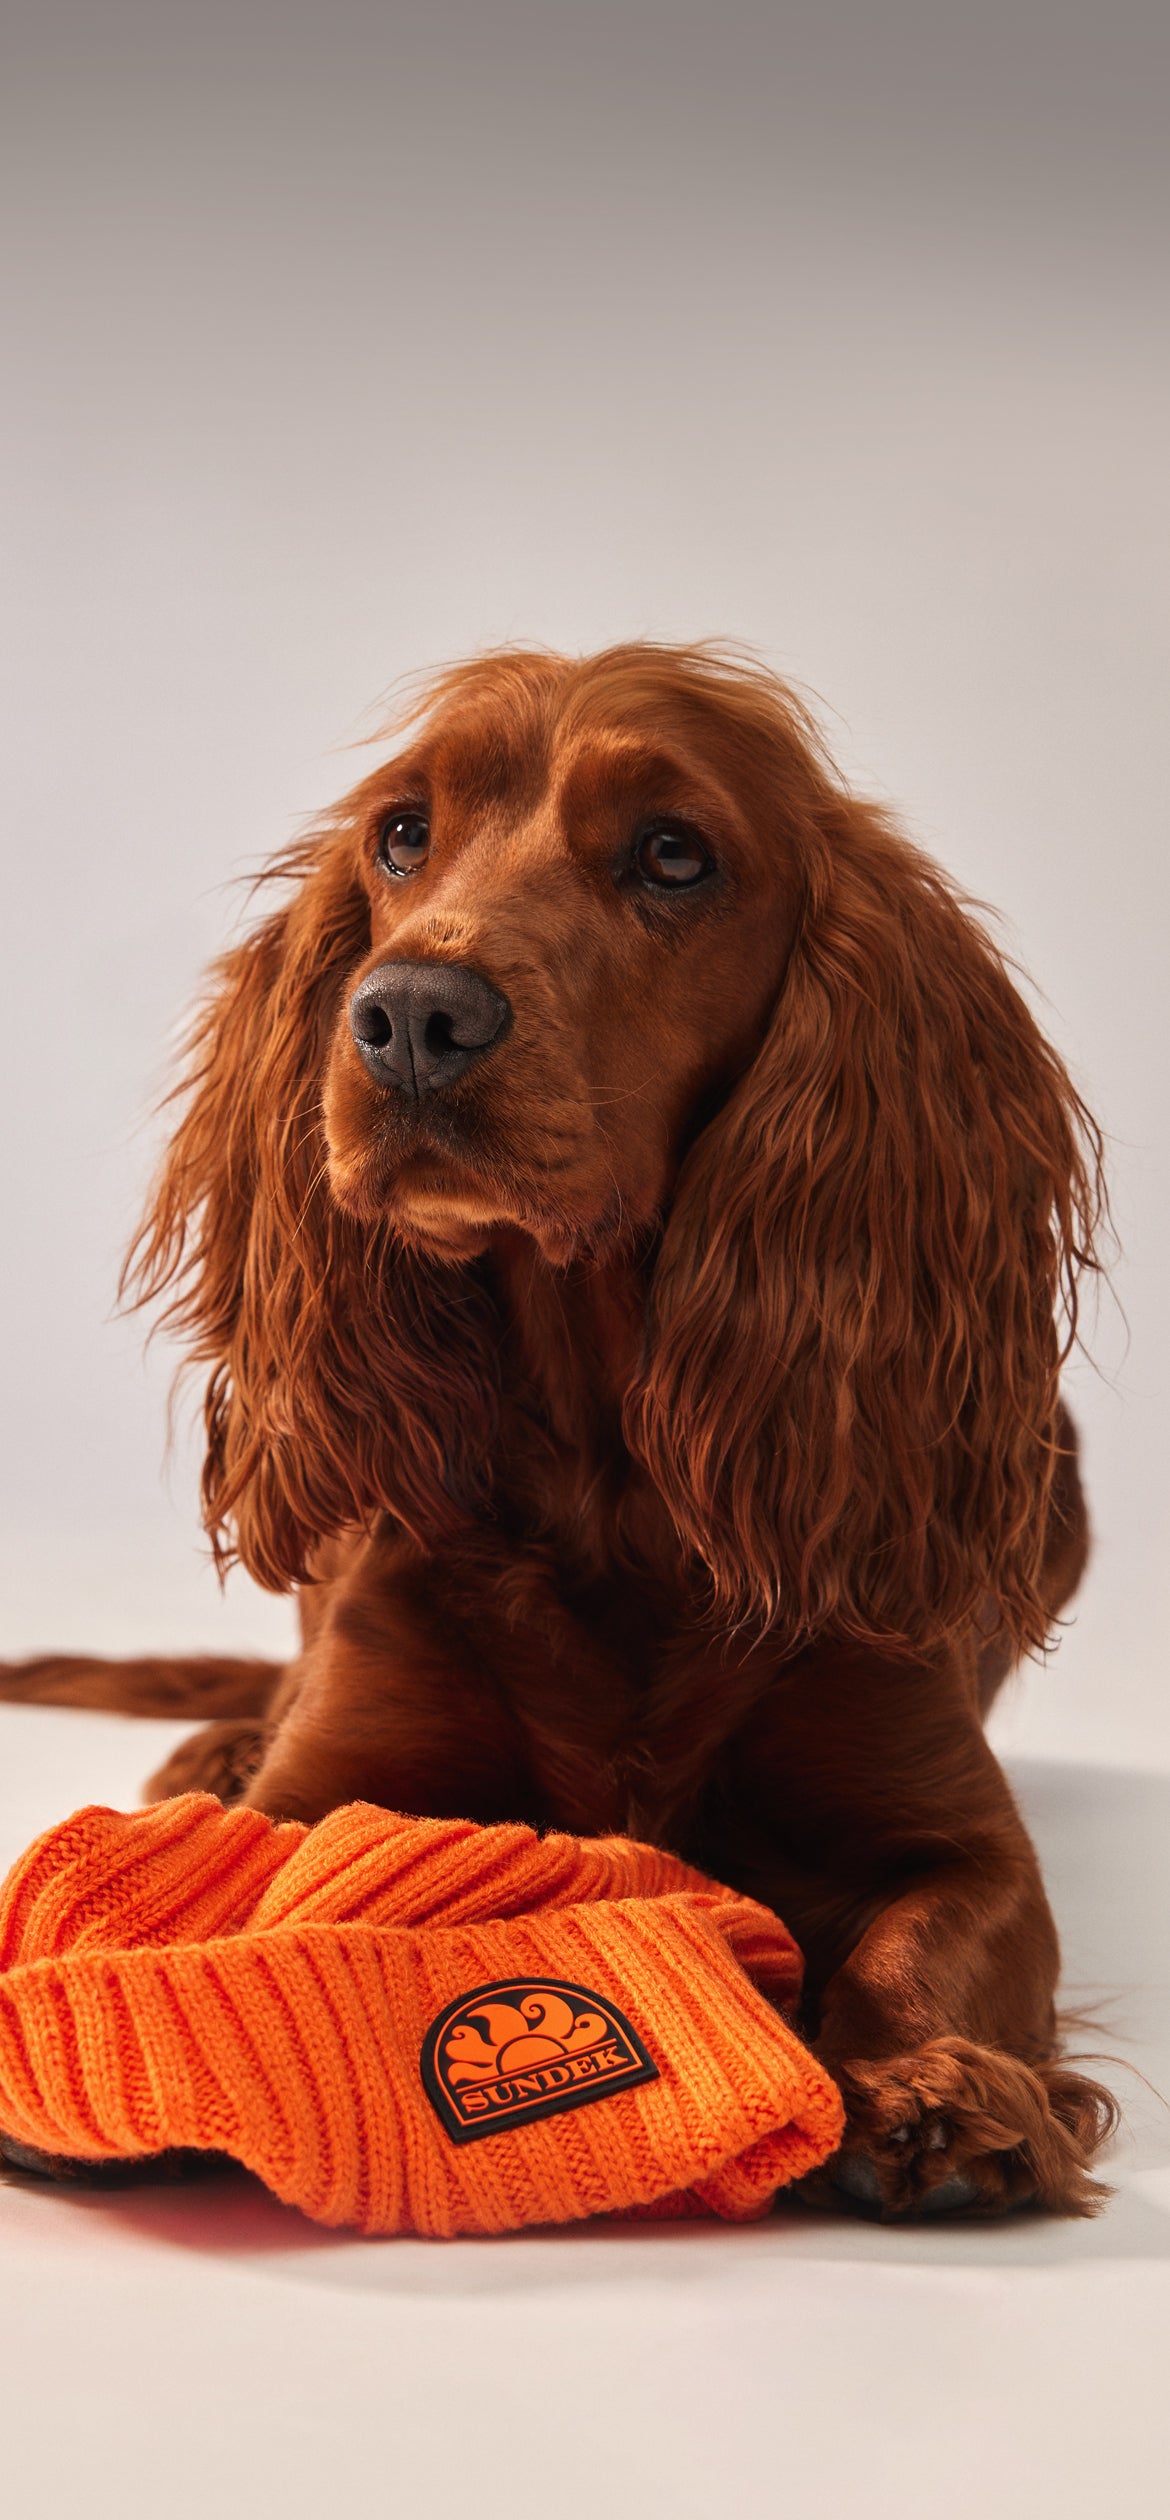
(594, 2066)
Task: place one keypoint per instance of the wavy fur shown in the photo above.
(850, 1400)
(349, 1376)
(849, 1395)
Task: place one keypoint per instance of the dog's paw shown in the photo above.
(953, 2128)
(218, 1759)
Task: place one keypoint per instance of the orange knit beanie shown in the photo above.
(405, 2025)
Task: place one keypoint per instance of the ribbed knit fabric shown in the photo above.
(185, 1976)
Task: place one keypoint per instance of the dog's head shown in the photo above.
(606, 955)
(582, 886)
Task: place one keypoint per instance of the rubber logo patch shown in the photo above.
(527, 2048)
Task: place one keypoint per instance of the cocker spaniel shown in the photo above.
(632, 1224)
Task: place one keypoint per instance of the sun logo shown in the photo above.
(523, 2049)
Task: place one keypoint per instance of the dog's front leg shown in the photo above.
(390, 1706)
(940, 2029)
(933, 1958)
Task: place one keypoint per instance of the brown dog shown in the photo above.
(625, 1208)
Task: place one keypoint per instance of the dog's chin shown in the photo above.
(433, 1202)
(438, 1206)
(449, 1220)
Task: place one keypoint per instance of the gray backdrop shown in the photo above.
(343, 340)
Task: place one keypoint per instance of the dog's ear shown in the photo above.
(339, 1385)
(855, 1327)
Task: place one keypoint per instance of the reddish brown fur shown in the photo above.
(663, 1422)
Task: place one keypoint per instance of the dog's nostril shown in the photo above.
(371, 1023)
(439, 1034)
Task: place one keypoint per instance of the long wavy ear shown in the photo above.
(340, 1383)
(856, 1320)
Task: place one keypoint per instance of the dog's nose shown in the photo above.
(419, 1025)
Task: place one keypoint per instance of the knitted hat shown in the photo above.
(405, 2025)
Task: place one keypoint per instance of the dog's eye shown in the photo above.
(670, 854)
(404, 843)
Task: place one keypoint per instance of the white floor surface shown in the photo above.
(204, 2350)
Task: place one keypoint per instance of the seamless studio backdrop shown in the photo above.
(342, 342)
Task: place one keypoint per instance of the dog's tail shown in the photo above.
(150, 1684)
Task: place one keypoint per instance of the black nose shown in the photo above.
(419, 1025)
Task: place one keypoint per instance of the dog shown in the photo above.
(631, 1224)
